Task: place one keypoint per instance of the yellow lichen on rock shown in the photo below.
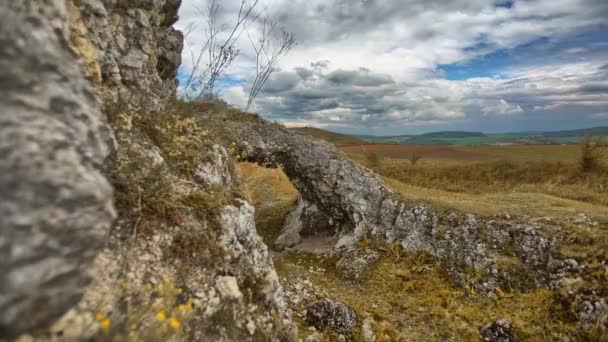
(82, 47)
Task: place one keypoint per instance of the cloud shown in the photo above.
(502, 107)
(378, 64)
(594, 87)
(360, 99)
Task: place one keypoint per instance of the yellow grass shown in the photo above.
(512, 203)
(556, 178)
(562, 153)
(411, 298)
(273, 196)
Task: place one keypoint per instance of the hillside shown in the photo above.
(337, 139)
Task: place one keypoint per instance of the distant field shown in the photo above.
(565, 153)
(438, 139)
(548, 169)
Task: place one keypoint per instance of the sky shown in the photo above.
(389, 67)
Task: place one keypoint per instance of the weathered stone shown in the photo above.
(228, 288)
(314, 337)
(498, 331)
(215, 172)
(287, 239)
(56, 205)
(304, 215)
(136, 54)
(353, 263)
(367, 331)
(328, 314)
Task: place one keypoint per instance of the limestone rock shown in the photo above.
(287, 239)
(56, 205)
(215, 171)
(353, 263)
(129, 70)
(367, 331)
(305, 215)
(228, 288)
(332, 315)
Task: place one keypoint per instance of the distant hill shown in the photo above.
(569, 133)
(452, 134)
(422, 139)
(478, 138)
(337, 139)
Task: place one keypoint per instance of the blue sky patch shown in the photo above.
(505, 4)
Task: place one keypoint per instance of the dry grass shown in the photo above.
(273, 196)
(412, 298)
(512, 203)
(472, 154)
(561, 179)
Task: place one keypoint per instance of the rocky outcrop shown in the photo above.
(214, 172)
(56, 207)
(355, 203)
(130, 50)
(183, 257)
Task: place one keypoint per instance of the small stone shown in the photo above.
(498, 331)
(331, 314)
(367, 332)
(228, 287)
(314, 337)
(251, 327)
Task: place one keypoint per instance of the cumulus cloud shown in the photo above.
(377, 64)
(502, 107)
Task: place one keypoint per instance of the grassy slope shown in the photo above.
(337, 139)
(514, 203)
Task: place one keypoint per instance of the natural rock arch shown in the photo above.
(354, 203)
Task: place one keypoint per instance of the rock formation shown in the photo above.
(130, 50)
(56, 206)
(351, 202)
(63, 60)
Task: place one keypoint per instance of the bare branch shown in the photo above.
(220, 54)
(268, 50)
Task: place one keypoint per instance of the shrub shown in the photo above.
(373, 159)
(414, 158)
(592, 153)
